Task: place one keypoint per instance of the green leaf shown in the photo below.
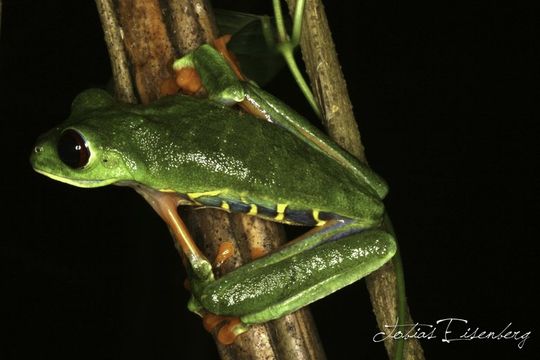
(253, 42)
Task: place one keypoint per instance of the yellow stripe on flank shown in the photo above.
(280, 209)
(194, 196)
(315, 214)
(253, 210)
(225, 206)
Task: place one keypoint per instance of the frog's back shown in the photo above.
(222, 157)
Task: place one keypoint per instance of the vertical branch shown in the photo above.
(143, 38)
(327, 81)
(330, 89)
(123, 86)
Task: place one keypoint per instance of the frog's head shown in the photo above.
(80, 153)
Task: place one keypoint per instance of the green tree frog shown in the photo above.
(183, 150)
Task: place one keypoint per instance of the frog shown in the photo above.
(269, 162)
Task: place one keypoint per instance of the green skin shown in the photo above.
(210, 155)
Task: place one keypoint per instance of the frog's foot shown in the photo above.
(189, 81)
(228, 332)
(221, 46)
(230, 327)
(185, 80)
(168, 87)
(257, 252)
(225, 252)
(217, 77)
(215, 71)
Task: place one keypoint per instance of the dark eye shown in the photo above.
(72, 149)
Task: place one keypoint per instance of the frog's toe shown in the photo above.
(229, 327)
(227, 333)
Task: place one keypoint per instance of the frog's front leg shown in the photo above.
(166, 204)
(213, 71)
(215, 75)
(307, 269)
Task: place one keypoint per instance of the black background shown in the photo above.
(444, 102)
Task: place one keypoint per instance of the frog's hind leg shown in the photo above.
(299, 273)
(304, 270)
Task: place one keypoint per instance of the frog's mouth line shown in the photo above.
(76, 182)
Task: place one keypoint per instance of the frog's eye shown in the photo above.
(72, 149)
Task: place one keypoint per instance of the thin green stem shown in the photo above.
(286, 48)
(280, 23)
(297, 22)
(287, 53)
(268, 32)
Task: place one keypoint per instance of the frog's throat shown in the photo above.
(77, 182)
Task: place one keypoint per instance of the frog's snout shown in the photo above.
(39, 155)
(35, 154)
